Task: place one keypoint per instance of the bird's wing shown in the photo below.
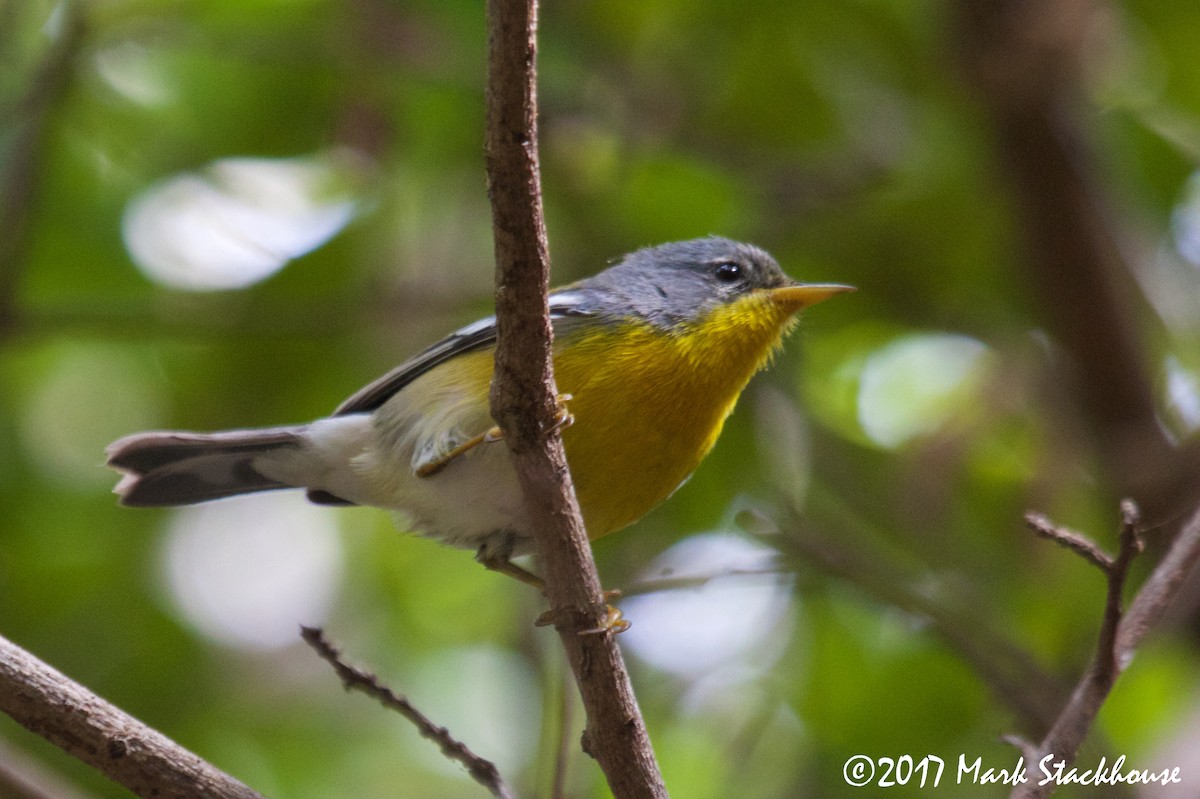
(564, 306)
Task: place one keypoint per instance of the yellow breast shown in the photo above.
(650, 404)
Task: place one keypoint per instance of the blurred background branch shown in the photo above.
(24, 147)
(1005, 666)
(22, 777)
(1025, 61)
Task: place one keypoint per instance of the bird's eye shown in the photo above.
(728, 272)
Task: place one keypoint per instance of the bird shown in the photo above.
(650, 354)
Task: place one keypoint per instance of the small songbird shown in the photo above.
(650, 356)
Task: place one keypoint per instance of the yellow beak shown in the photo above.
(802, 295)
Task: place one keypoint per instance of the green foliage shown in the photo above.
(915, 420)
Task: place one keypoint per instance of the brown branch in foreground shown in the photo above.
(481, 770)
(106, 738)
(1119, 636)
(523, 404)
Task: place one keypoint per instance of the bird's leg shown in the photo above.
(430, 468)
(562, 420)
(562, 415)
(497, 560)
(614, 620)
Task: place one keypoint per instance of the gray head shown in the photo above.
(676, 283)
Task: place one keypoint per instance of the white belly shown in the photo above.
(371, 459)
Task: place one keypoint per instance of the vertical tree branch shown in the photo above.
(523, 404)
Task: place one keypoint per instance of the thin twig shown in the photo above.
(1116, 570)
(652, 585)
(1131, 546)
(1078, 543)
(103, 736)
(355, 679)
(1027, 748)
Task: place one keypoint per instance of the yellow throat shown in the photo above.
(649, 403)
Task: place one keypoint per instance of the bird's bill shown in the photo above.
(802, 295)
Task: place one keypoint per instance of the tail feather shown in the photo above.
(177, 468)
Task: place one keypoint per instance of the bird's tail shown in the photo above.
(177, 468)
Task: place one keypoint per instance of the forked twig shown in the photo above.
(1119, 634)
